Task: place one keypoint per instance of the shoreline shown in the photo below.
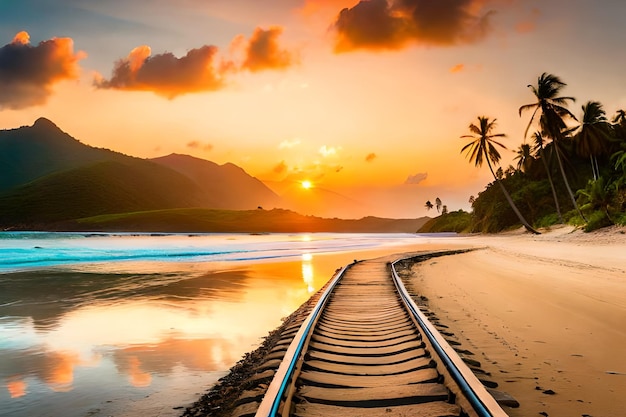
(545, 313)
(528, 358)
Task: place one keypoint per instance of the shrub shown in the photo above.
(597, 220)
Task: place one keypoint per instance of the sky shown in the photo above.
(367, 99)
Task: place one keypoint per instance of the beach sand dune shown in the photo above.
(546, 316)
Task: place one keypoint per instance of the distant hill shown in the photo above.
(51, 181)
(322, 202)
(30, 152)
(244, 221)
(47, 176)
(101, 188)
(224, 186)
(454, 221)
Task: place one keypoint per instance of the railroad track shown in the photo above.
(367, 350)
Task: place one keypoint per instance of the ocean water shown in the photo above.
(143, 324)
(29, 250)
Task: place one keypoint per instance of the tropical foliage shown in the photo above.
(483, 148)
(571, 171)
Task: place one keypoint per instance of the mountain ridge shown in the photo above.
(237, 189)
(48, 175)
(238, 221)
(50, 180)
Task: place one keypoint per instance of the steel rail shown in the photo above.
(472, 389)
(270, 404)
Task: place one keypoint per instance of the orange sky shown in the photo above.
(367, 99)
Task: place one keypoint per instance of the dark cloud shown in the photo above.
(416, 179)
(194, 144)
(263, 51)
(166, 74)
(370, 24)
(27, 72)
(280, 168)
(370, 157)
(383, 24)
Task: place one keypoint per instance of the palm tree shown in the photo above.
(538, 139)
(593, 135)
(598, 196)
(438, 204)
(619, 125)
(429, 205)
(552, 111)
(620, 160)
(550, 108)
(482, 148)
(524, 157)
(620, 117)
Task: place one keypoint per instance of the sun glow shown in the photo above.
(307, 184)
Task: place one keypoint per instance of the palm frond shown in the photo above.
(532, 118)
(526, 107)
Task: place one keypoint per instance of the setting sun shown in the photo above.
(307, 184)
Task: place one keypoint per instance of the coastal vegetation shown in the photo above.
(569, 169)
(455, 221)
(236, 221)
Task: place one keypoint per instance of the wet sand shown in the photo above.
(295, 282)
(546, 316)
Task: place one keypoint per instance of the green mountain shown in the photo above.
(48, 176)
(223, 186)
(242, 221)
(100, 188)
(51, 181)
(31, 152)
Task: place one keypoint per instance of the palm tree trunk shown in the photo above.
(593, 168)
(511, 203)
(569, 189)
(556, 199)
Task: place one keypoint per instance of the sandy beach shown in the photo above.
(545, 315)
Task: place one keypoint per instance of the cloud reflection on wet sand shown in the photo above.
(135, 329)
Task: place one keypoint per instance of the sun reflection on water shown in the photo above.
(308, 274)
(137, 331)
(17, 388)
(127, 330)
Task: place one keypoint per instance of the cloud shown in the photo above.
(27, 72)
(416, 179)
(529, 24)
(457, 68)
(315, 7)
(263, 51)
(393, 24)
(137, 376)
(166, 74)
(194, 144)
(200, 69)
(370, 157)
(288, 144)
(327, 151)
(280, 168)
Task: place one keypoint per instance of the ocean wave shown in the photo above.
(27, 250)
